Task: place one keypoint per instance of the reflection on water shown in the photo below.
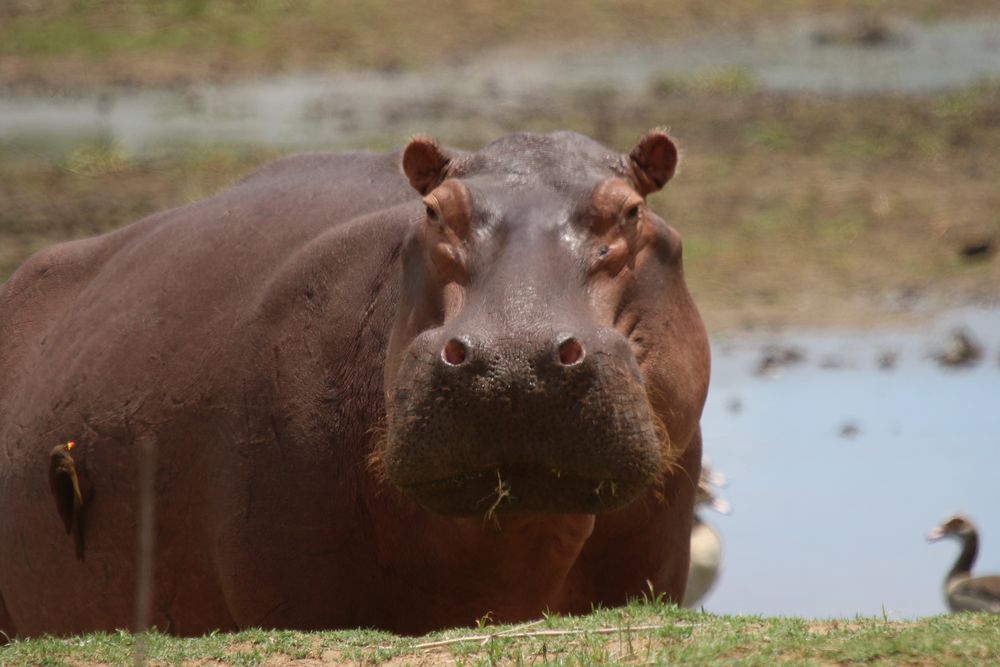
(496, 93)
(839, 467)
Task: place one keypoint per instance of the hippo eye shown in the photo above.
(631, 213)
(602, 251)
(432, 215)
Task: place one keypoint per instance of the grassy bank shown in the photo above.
(640, 634)
(82, 43)
(794, 209)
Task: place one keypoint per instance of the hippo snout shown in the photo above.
(553, 420)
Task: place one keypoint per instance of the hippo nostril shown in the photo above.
(570, 352)
(454, 352)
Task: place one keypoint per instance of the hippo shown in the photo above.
(398, 390)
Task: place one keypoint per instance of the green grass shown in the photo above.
(639, 634)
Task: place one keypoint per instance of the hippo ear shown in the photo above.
(424, 164)
(654, 160)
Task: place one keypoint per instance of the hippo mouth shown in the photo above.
(516, 435)
(516, 488)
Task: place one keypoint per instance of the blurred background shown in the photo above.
(839, 198)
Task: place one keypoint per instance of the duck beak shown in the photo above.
(935, 535)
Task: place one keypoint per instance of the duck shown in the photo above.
(962, 591)
(706, 546)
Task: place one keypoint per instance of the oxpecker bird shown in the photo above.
(66, 490)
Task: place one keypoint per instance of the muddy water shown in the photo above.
(494, 93)
(839, 469)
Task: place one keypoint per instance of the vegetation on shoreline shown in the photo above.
(77, 44)
(794, 209)
(639, 634)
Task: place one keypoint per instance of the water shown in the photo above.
(484, 97)
(831, 525)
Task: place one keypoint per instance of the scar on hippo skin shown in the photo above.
(65, 486)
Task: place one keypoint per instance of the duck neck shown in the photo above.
(970, 547)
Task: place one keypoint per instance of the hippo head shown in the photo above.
(546, 355)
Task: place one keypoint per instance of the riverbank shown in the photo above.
(795, 209)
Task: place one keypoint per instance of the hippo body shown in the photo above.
(369, 409)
